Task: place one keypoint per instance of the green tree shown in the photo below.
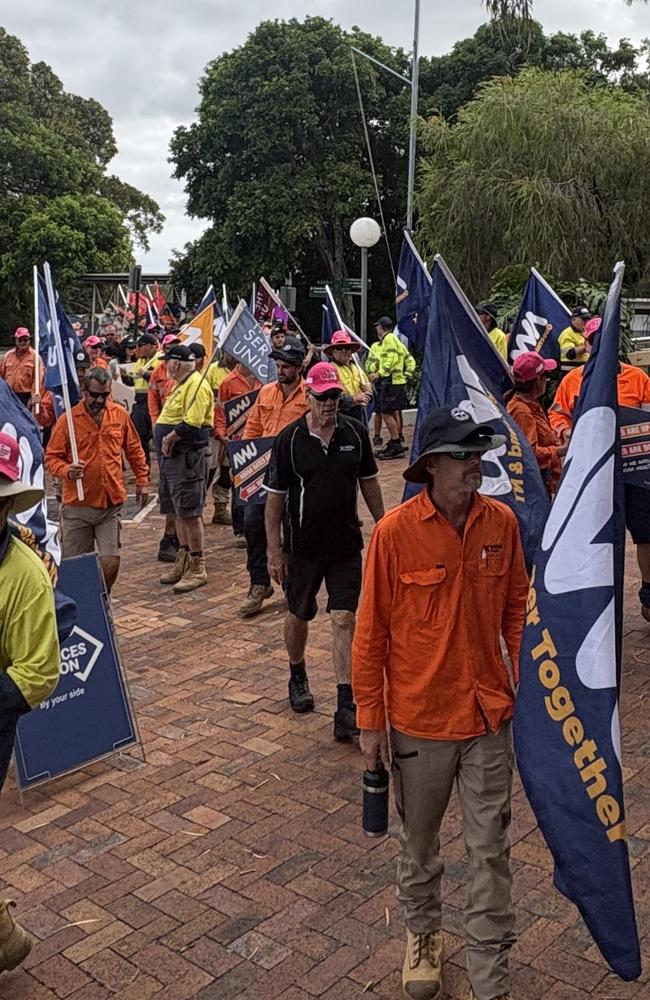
(539, 167)
(57, 201)
(277, 163)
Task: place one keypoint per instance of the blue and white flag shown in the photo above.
(540, 308)
(412, 295)
(332, 321)
(329, 324)
(245, 340)
(53, 377)
(567, 731)
(462, 369)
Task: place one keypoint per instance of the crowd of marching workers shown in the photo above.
(445, 576)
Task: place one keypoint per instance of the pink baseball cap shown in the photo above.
(323, 377)
(22, 331)
(340, 339)
(170, 338)
(530, 364)
(22, 495)
(92, 341)
(9, 457)
(592, 326)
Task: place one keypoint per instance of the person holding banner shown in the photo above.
(29, 648)
(317, 464)
(530, 372)
(182, 433)
(103, 430)
(357, 391)
(18, 366)
(572, 340)
(445, 580)
(240, 384)
(633, 390)
(487, 313)
(277, 405)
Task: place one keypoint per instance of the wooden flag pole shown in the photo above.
(63, 371)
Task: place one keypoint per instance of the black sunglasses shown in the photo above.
(328, 394)
(98, 395)
(461, 456)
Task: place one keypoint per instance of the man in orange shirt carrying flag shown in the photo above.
(103, 430)
(445, 580)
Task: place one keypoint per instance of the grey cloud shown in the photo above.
(143, 62)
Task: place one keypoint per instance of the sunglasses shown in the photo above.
(98, 395)
(461, 456)
(343, 347)
(328, 394)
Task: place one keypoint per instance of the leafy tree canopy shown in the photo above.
(540, 167)
(56, 200)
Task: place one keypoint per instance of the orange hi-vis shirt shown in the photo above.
(531, 416)
(633, 389)
(235, 384)
(100, 447)
(99, 362)
(18, 370)
(434, 605)
(271, 412)
(160, 386)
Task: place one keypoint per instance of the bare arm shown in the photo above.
(371, 492)
(273, 524)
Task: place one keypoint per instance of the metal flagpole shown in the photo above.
(63, 371)
(414, 114)
(37, 357)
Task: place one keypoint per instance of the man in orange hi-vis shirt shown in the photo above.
(18, 366)
(445, 580)
(103, 430)
(633, 389)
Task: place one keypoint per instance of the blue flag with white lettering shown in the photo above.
(462, 369)
(329, 323)
(246, 341)
(567, 730)
(540, 309)
(47, 349)
(412, 295)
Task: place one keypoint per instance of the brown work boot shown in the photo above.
(221, 514)
(15, 942)
(194, 576)
(174, 574)
(422, 972)
(254, 600)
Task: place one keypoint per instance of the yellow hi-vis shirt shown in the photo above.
(395, 360)
(572, 338)
(215, 375)
(353, 378)
(372, 361)
(29, 645)
(141, 384)
(500, 341)
(191, 402)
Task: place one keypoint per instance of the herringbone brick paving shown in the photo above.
(232, 864)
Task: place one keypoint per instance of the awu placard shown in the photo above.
(236, 411)
(249, 461)
(635, 445)
(89, 714)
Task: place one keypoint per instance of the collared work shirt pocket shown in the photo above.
(421, 593)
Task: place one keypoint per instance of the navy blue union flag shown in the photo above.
(540, 308)
(412, 295)
(566, 729)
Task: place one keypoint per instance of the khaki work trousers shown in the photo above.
(424, 773)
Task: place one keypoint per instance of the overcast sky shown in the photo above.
(142, 62)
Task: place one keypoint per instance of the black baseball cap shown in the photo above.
(385, 322)
(198, 350)
(179, 352)
(292, 351)
(148, 339)
(488, 308)
(81, 359)
(130, 343)
(447, 430)
(580, 312)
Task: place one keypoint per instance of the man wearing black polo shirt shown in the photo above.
(316, 465)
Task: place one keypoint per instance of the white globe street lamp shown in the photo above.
(364, 233)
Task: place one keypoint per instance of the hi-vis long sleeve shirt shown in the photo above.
(426, 650)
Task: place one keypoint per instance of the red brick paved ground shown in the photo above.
(232, 864)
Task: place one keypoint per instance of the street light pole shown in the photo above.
(364, 233)
(363, 319)
(415, 77)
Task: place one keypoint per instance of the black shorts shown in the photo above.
(637, 513)
(183, 483)
(392, 397)
(306, 574)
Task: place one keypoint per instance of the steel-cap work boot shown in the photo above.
(256, 596)
(174, 574)
(422, 972)
(15, 942)
(195, 576)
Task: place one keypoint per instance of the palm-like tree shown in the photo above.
(520, 8)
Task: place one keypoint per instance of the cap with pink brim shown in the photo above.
(530, 364)
(323, 377)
